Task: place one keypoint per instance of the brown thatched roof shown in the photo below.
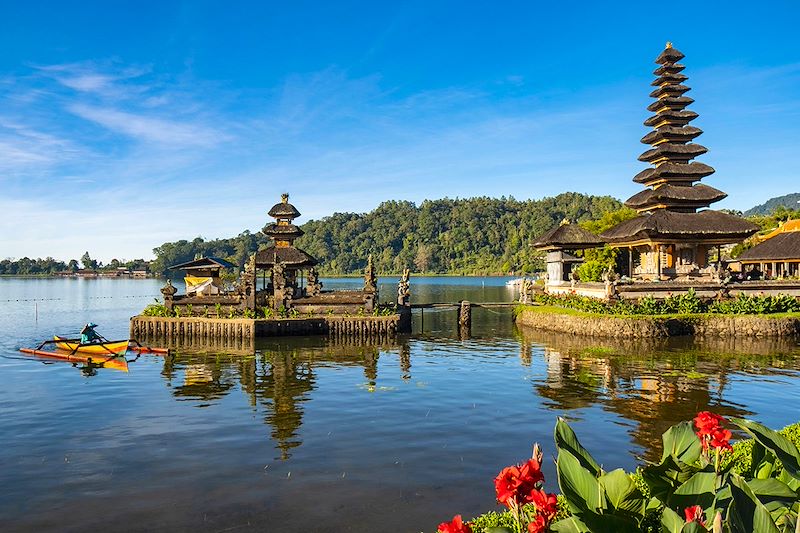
(569, 237)
(676, 102)
(698, 195)
(289, 255)
(669, 55)
(781, 247)
(671, 133)
(285, 231)
(284, 209)
(204, 263)
(687, 171)
(676, 153)
(674, 118)
(669, 68)
(664, 224)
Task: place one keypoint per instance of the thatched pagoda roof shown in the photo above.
(284, 209)
(288, 255)
(663, 224)
(674, 172)
(568, 237)
(282, 231)
(699, 195)
(782, 247)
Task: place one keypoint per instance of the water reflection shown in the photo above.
(651, 383)
(277, 378)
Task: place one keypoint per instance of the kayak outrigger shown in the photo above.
(92, 348)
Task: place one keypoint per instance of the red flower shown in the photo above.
(454, 526)
(710, 431)
(695, 514)
(538, 524)
(546, 504)
(514, 484)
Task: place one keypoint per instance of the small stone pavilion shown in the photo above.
(558, 243)
(674, 236)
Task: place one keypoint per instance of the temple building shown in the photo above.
(674, 235)
(777, 255)
(558, 243)
(203, 276)
(285, 262)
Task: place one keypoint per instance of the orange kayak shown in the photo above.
(96, 349)
(108, 361)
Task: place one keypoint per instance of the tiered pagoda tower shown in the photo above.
(673, 234)
(282, 258)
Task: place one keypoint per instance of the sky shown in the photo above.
(124, 125)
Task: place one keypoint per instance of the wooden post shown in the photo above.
(465, 319)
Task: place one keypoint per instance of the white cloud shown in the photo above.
(146, 128)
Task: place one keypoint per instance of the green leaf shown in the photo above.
(664, 478)
(782, 447)
(681, 441)
(499, 529)
(567, 440)
(622, 493)
(577, 484)
(693, 527)
(747, 514)
(698, 490)
(568, 525)
(671, 522)
(768, 490)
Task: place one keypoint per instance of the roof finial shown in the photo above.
(669, 44)
(285, 197)
(565, 222)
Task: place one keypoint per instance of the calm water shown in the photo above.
(308, 435)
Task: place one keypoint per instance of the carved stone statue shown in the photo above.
(404, 288)
(168, 290)
(526, 291)
(370, 279)
(314, 287)
(278, 277)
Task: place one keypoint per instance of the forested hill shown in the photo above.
(461, 236)
(788, 201)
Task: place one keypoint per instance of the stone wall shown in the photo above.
(653, 327)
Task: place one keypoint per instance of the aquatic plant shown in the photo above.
(701, 484)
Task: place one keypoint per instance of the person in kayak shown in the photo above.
(89, 335)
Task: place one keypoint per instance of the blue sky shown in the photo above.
(127, 124)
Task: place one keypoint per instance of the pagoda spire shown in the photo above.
(673, 175)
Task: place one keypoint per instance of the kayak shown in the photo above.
(95, 348)
(109, 361)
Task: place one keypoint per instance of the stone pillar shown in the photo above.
(168, 291)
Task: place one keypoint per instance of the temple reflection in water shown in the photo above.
(651, 385)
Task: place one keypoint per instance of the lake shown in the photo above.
(311, 435)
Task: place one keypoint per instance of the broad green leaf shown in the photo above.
(698, 490)
(681, 441)
(664, 478)
(610, 522)
(622, 492)
(747, 514)
(768, 490)
(499, 529)
(566, 439)
(568, 525)
(577, 484)
(693, 527)
(782, 447)
(671, 522)
(762, 462)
